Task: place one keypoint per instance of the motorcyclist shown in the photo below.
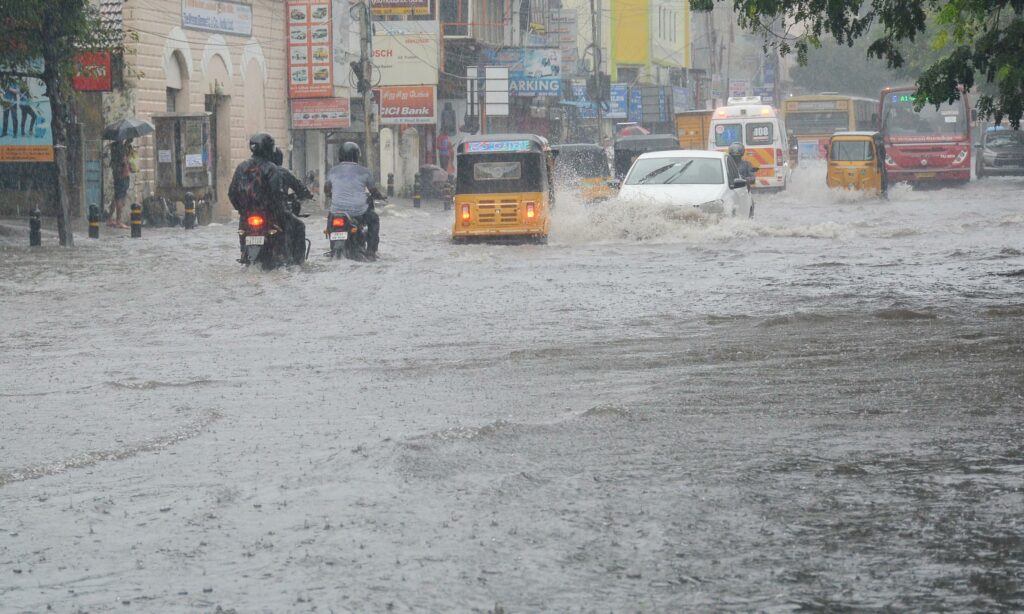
(270, 198)
(347, 186)
(746, 169)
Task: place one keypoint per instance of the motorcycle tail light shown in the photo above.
(531, 211)
(255, 221)
(465, 212)
(338, 222)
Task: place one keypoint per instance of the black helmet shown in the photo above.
(262, 144)
(349, 152)
(737, 150)
(277, 157)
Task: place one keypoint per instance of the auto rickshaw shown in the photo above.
(629, 148)
(584, 168)
(856, 161)
(503, 187)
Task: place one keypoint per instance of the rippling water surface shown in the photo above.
(816, 409)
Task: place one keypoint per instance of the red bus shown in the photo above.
(927, 145)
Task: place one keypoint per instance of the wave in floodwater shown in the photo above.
(188, 430)
(615, 221)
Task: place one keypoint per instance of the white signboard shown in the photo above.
(406, 52)
(495, 89)
(217, 16)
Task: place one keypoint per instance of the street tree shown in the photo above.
(41, 40)
(979, 42)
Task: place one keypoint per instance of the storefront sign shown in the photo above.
(221, 16)
(531, 72)
(93, 72)
(26, 135)
(320, 114)
(400, 7)
(408, 105)
(403, 51)
(310, 63)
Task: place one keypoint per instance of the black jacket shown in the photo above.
(271, 197)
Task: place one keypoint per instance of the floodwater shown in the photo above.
(818, 409)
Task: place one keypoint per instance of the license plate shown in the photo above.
(339, 236)
(258, 240)
(925, 175)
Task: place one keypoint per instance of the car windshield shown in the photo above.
(1004, 138)
(676, 171)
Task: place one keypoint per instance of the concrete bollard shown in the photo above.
(190, 211)
(94, 222)
(35, 228)
(416, 198)
(391, 185)
(136, 220)
(449, 193)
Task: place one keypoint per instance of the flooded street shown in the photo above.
(816, 409)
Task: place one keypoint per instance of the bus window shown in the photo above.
(759, 134)
(727, 134)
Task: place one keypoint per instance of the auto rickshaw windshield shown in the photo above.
(851, 151)
(500, 173)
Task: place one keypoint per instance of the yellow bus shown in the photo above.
(813, 118)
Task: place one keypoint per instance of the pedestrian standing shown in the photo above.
(444, 150)
(122, 155)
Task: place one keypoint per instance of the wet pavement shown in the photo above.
(818, 409)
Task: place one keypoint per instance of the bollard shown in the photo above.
(391, 185)
(449, 193)
(416, 191)
(136, 220)
(94, 222)
(35, 228)
(190, 211)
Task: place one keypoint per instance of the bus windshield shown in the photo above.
(818, 123)
(899, 119)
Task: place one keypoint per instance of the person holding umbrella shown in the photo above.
(123, 162)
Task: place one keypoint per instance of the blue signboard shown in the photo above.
(500, 146)
(531, 71)
(680, 100)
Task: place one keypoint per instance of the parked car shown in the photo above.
(707, 180)
(1000, 152)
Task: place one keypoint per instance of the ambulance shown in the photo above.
(763, 134)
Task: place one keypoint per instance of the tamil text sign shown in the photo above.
(320, 114)
(400, 7)
(93, 72)
(309, 49)
(26, 135)
(531, 72)
(408, 105)
(220, 16)
(406, 52)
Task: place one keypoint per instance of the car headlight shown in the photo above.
(718, 203)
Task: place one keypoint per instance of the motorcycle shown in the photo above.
(347, 236)
(263, 242)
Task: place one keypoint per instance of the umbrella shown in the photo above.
(634, 130)
(124, 129)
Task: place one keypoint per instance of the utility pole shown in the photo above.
(365, 53)
(595, 32)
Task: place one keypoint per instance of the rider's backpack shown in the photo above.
(253, 186)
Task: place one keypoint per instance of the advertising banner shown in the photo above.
(26, 135)
(618, 109)
(320, 114)
(408, 105)
(222, 16)
(310, 63)
(405, 52)
(93, 72)
(400, 7)
(739, 88)
(531, 71)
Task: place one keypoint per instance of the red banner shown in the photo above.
(320, 114)
(93, 72)
(310, 62)
(411, 104)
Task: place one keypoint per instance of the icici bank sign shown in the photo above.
(412, 104)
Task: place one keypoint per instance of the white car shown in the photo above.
(708, 180)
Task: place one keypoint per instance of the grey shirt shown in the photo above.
(349, 185)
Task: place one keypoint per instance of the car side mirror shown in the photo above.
(615, 184)
(739, 183)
